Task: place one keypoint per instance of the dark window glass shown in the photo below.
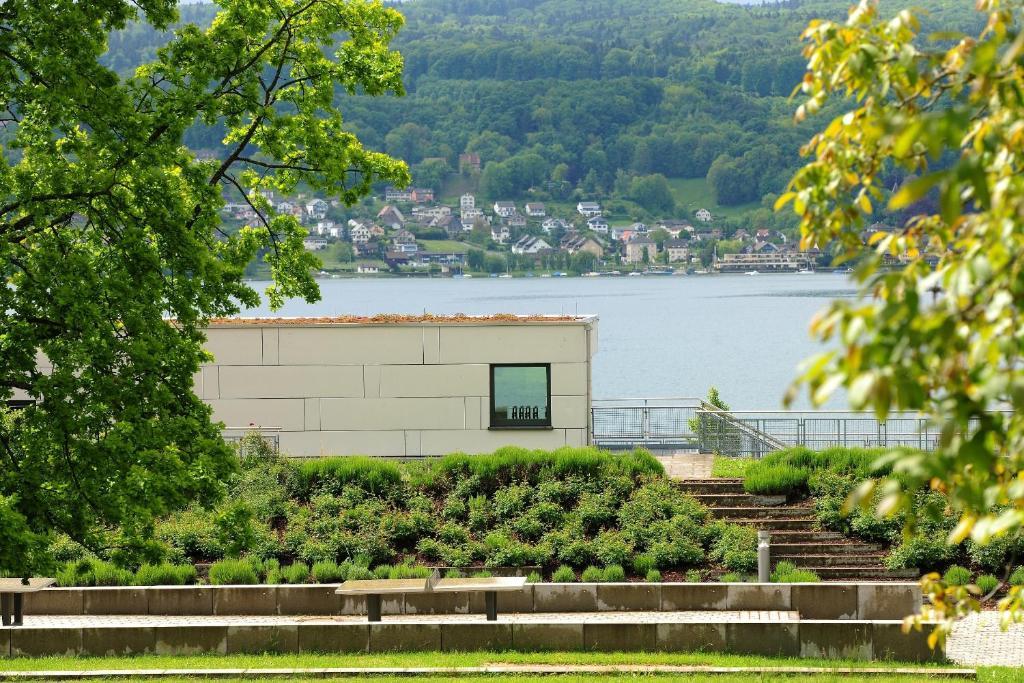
(520, 396)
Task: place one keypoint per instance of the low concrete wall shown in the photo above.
(845, 601)
(863, 640)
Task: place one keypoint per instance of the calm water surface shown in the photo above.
(658, 336)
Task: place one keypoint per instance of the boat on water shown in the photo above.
(751, 272)
(843, 270)
(504, 275)
(804, 271)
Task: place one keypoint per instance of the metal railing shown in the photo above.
(691, 423)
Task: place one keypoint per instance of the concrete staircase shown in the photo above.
(795, 536)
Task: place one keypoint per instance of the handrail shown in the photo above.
(752, 432)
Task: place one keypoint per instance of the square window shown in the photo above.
(520, 396)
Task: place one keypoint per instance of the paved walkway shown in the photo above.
(139, 620)
(978, 640)
(687, 465)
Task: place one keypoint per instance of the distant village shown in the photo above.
(411, 232)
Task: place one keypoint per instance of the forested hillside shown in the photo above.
(599, 98)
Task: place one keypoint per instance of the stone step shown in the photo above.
(748, 512)
(865, 573)
(715, 480)
(738, 500)
(784, 524)
(866, 560)
(799, 536)
(829, 547)
(710, 487)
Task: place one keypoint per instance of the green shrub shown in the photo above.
(987, 583)
(770, 480)
(927, 553)
(957, 576)
(564, 574)
(233, 572)
(534, 577)
(612, 547)
(401, 571)
(332, 475)
(787, 572)
(107, 574)
(643, 563)
(736, 548)
(90, 572)
(1017, 577)
(193, 532)
(997, 553)
(297, 572)
(653, 576)
(614, 573)
(358, 572)
(165, 575)
(694, 576)
(731, 577)
(592, 574)
(329, 572)
(482, 574)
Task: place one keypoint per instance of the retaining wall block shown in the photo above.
(437, 603)
(763, 638)
(888, 600)
(759, 596)
(119, 600)
(279, 639)
(45, 642)
(617, 637)
(486, 635)
(628, 597)
(181, 600)
(332, 638)
(685, 597)
(691, 637)
(836, 640)
(253, 600)
(889, 642)
(824, 600)
(191, 640)
(5, 643)
(404, 637)
(509, 602)
(552, 636)
(309, 599)
(118, 641)
(69, 601)
(564, 597)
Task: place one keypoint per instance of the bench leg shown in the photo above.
(5, 609)
(491, 605)
(19, 615)
(373, 608)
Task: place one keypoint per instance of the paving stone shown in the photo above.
(245, 600)
(55, 601)
(889, 642)
(758, 638)
(131, 640)
(492, 636)
(564, 597)
(835, 640)
(181, 600)
(332, 638)
(278, 639)
(191, 640)
(35, 642)
(310, 599)
(120, 600)
(628, 597)
(547, 636)
(687, 465)
(888, 600)
(694, 596)
(759, 596)
(824, 600)
(692, 637)
(404, 637)
(980, 640)
(620, 637)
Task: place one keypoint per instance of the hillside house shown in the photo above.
(425, 214)
(552, 224)
(471, 216)
(639, 228)
(530, 245)
(597, 224)
(703, 215)
(314, 243)
(536, 210)
(395, 194)
(500, 233)
(505, 209)
(391, 217)
(677, 251)
(516, 222)
(324, 227)
(376, 231)
(368, 268)
(421, 195)
(467, 201)
(574, 243)
(637, 248)
(359, 233)
(450, 224)
(317, 209)
(588, 209)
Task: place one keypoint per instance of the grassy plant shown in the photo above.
(957, 576)
(1017, 577)
(653, 576)
(592, 574)
(643, 563)
(614, 573)
(296, 573)
(373, 475)
(731, 577)
(771, 480)
(694, 576)
(987, 583)
(233, 572)
(564, 574)
(329, 572)
(482, 574)
(728, 467)
(165, 575)
(787, 572)
(534, 577)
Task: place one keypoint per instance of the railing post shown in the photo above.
(764, 559)
(645, 424)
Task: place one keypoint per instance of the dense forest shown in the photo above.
(599, 98)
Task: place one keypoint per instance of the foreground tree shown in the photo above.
(108, 226)
(942, 335)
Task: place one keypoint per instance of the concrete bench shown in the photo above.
(375, 589)
(12, 594)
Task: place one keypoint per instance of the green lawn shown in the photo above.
(450, 659)
(693, 193)
(729, 467)
(444, 246)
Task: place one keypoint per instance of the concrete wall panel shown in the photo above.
(441, 442)
(569, 412)
(285, 413)
(427, 381)
(327, 443)
(235, 346)
(271, 344)
(513, 344)
(393, 413)
(369, 345)
(570, 379)
(290, 381)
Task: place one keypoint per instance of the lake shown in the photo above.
(658, 336)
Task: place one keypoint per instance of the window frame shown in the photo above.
(496, 425)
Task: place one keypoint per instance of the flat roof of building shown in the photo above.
(400, 319)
